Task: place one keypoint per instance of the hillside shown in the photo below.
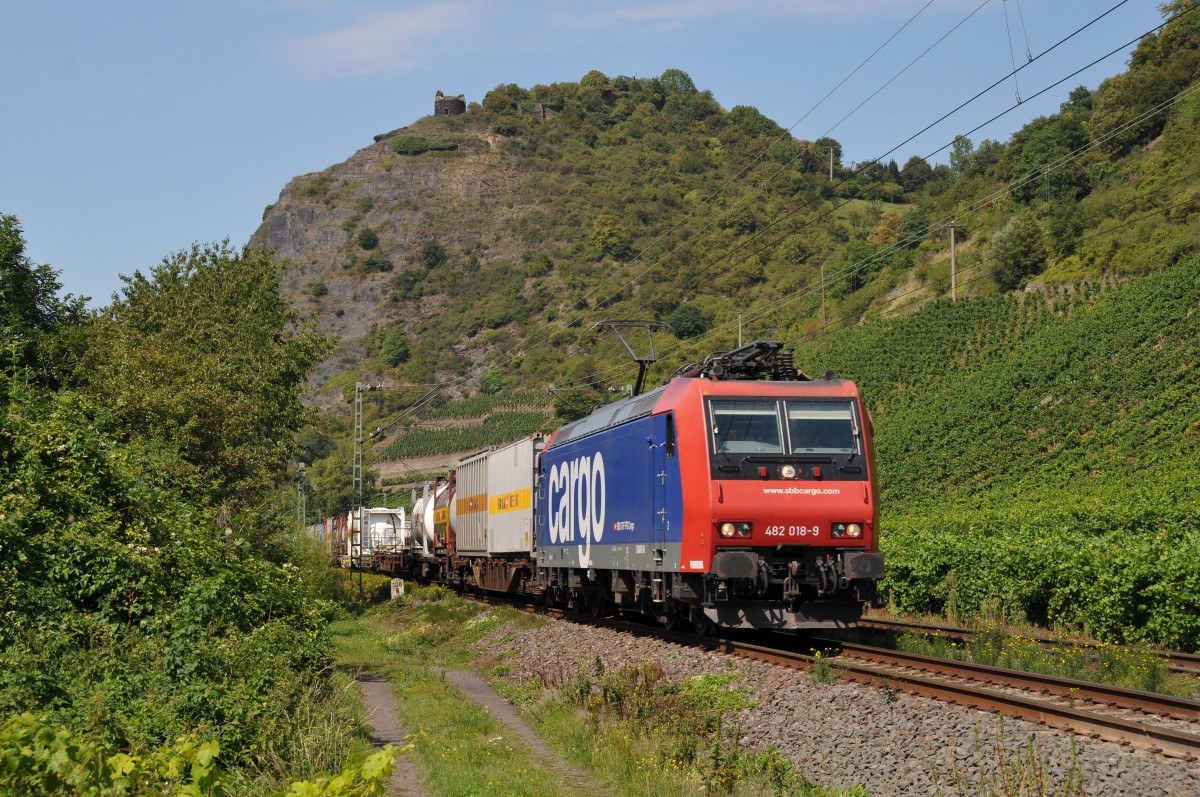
(543, 210)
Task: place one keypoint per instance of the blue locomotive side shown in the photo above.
(612, 500)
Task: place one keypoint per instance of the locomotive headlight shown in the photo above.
(788, 471)
(731, 530)
(854, 530)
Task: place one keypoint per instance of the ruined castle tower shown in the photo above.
(448, 106)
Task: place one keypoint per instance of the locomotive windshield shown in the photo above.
(754, 426)
(821, 426)
(747, 427)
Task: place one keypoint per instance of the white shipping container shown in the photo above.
(469, 512)
(510, 489)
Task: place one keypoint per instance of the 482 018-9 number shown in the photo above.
(792, 531)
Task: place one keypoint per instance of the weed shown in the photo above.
(1025, 772)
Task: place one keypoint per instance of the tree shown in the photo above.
(395, 349)
(960, 155)
(687, 321)
(433, 254)
(678, 80)
(752, 122)
(610, 237)
(367, 238)
(915, 174)
(1126, 112)
(31, 312)
(914, 228)
(204, 353)
(887, 229)
(1043, 166)
(1018, 251)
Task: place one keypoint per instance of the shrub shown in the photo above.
(687, 321)
(377, 262)
(395, 349)
(1017, 251)
(367, 238)
(415, 145)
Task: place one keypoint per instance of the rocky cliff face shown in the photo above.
(454, 197)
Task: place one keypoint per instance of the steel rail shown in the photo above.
(1103, 694)
(1180, 663)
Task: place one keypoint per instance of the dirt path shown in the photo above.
(381, 710)
(385, 729)
(477, 689)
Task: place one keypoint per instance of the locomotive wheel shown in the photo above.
(703, 626)
(671, 617)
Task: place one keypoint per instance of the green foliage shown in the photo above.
(395, 349)
(319, 289)
(433, 254)
(1018, 251)
(42, 760)
(205, 353)
(129, 613)
(678, 80)
(149, 583)
(33, 318)
(416, 145)
(377, 262)
(610, 237)
(367, 238)
(687, 321)
(1041, 160)
(498, 427)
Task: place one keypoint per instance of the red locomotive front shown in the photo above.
(780, 503)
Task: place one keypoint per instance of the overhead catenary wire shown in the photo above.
(1011, 56)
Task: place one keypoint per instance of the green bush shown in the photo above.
(415, 145)
(367, 238)
(377, 262)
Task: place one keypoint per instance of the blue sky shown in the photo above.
(133, 128)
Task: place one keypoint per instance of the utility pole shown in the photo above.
(301, 498)
(739, 330)
(831, 164)
(953, 267)
(822, 297)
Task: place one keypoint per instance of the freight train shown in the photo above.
(739, 494)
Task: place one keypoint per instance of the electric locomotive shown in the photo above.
(740, 494)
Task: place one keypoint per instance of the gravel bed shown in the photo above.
(842, 734)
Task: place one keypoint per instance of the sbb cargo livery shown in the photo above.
(739, 494)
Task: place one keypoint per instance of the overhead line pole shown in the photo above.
(953, 267)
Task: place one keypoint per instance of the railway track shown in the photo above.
(1160, 724)
(1179, 663)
